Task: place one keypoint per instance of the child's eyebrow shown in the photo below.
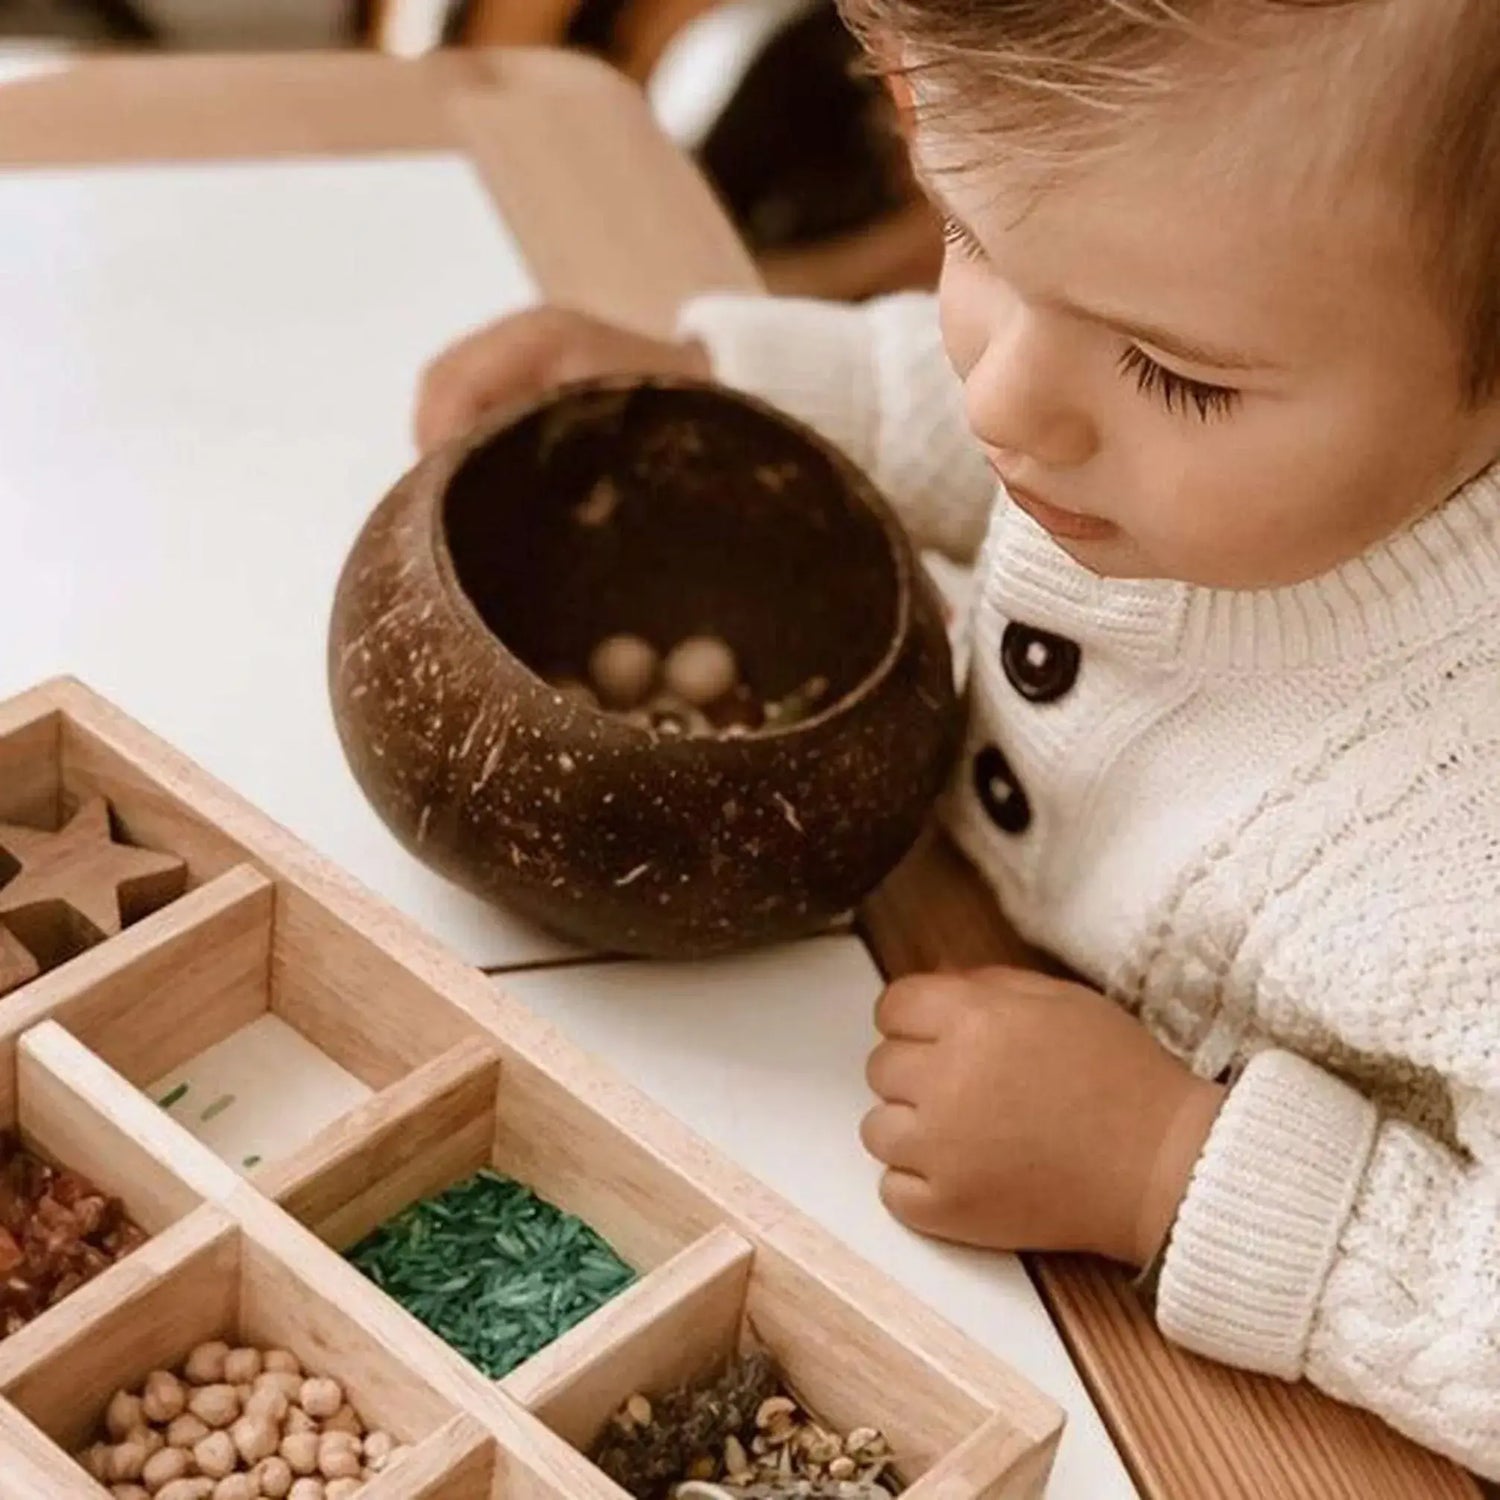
(1190, 350)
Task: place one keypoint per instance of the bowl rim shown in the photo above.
(449, 459)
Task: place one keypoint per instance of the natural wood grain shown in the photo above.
(456, 1463)
(30, 762)
(146, 812)
(174, 1292)
(35, 1467)
(432, 1128)
(79, 1112)
(353, 998)
(1184, 1426)
(676, 1325)
(95, 1306)
(600, 174)
(858, 1348)
(159, 993)
(292, 1297)
(17, 966)
(535, 1463)
(74, 887)
(995, 1463)
(886, 1361)
(186, 107)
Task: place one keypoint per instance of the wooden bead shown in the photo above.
(623, 670)
(701, 670)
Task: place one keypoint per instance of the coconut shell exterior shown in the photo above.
(664, 508)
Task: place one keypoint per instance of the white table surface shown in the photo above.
(206, 377)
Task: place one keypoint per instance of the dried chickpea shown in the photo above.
(163, 1398)
(345, 1419)
(187, 1431)
(274, 1475)
(215, 1455)
(205, 1365)
(241, 1366)
(285, 1381)
(342, 1489)
(123, 1415)
(129, 1492)
(300, 1450)
(126, 1461)
(298, 1421)
(321, 1399)
(623, 670)
(187, 1489)
(237, 1487)
(95, 1461)
(339, 1463)
(255, 1438)
(217, 1405)
(281, 1362)
(377, 1448)
(149, 1439)
(269, 1403)
(308, 1489)
(169, 1464)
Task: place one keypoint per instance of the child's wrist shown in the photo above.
(1171, 1169)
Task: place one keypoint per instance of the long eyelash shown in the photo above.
(1177, 391)
(962, 239)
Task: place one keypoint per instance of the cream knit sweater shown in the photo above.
(1268, 823)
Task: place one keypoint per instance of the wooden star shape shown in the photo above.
(17, 966)
(76, 887)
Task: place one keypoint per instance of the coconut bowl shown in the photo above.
(664, 509)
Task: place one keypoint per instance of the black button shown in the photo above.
(1040, 666)
(1000, 792)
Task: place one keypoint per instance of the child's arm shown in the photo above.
(875, 380)
(1320, 1241)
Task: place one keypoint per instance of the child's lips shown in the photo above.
(1071, 525)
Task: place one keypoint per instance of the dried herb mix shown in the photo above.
(493, 1270)
(740, 1437)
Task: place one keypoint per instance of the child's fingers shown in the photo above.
(502, 362)
(914, 1007)
(896, 1071)
(889, 1134)
(911, 1199)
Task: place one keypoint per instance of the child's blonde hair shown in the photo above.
(1062, 72)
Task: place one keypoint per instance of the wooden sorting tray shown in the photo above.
(415, 1073)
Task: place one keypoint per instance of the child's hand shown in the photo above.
(1022, 1112)
(523, 356)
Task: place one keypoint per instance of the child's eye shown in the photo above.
(962, 239)
(1177, 391)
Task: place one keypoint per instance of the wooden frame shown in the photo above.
(458, 1078)
(1185, 1428)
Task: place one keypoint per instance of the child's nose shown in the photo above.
(1018, 400)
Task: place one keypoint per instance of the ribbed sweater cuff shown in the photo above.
(1260, 1224)
(813, 360)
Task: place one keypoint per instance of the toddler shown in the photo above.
(1210, 396)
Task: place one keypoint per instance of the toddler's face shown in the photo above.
(1229, 375)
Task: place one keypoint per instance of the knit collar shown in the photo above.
(1414, 587)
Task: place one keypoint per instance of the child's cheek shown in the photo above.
(961, 314)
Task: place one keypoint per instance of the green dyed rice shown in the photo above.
(492, 1270)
